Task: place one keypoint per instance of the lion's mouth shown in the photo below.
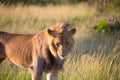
(62, 57)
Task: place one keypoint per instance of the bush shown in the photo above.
(112, 25)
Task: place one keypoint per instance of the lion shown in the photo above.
(45, 51)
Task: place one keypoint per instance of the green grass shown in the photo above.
(96, 56)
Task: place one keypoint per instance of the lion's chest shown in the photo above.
(53, 64)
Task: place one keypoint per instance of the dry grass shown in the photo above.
(48, 11)
(31, 18)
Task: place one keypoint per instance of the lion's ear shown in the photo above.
(51, 33)
(72, 31)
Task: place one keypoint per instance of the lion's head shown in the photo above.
(60, 39)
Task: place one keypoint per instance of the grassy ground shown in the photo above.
(96, 56)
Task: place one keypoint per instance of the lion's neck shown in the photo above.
(50, 62)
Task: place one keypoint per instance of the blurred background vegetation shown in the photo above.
(105, 8)
(41, 2)
(97, 50)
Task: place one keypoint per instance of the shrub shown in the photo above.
(112, 25)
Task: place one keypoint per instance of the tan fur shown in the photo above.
(18, 48)
(42, 52)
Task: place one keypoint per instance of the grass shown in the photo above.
(96, 56)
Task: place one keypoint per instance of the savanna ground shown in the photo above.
(96, 55)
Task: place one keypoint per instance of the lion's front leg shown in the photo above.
(36, 75)
(36, 69)
(52, 76)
